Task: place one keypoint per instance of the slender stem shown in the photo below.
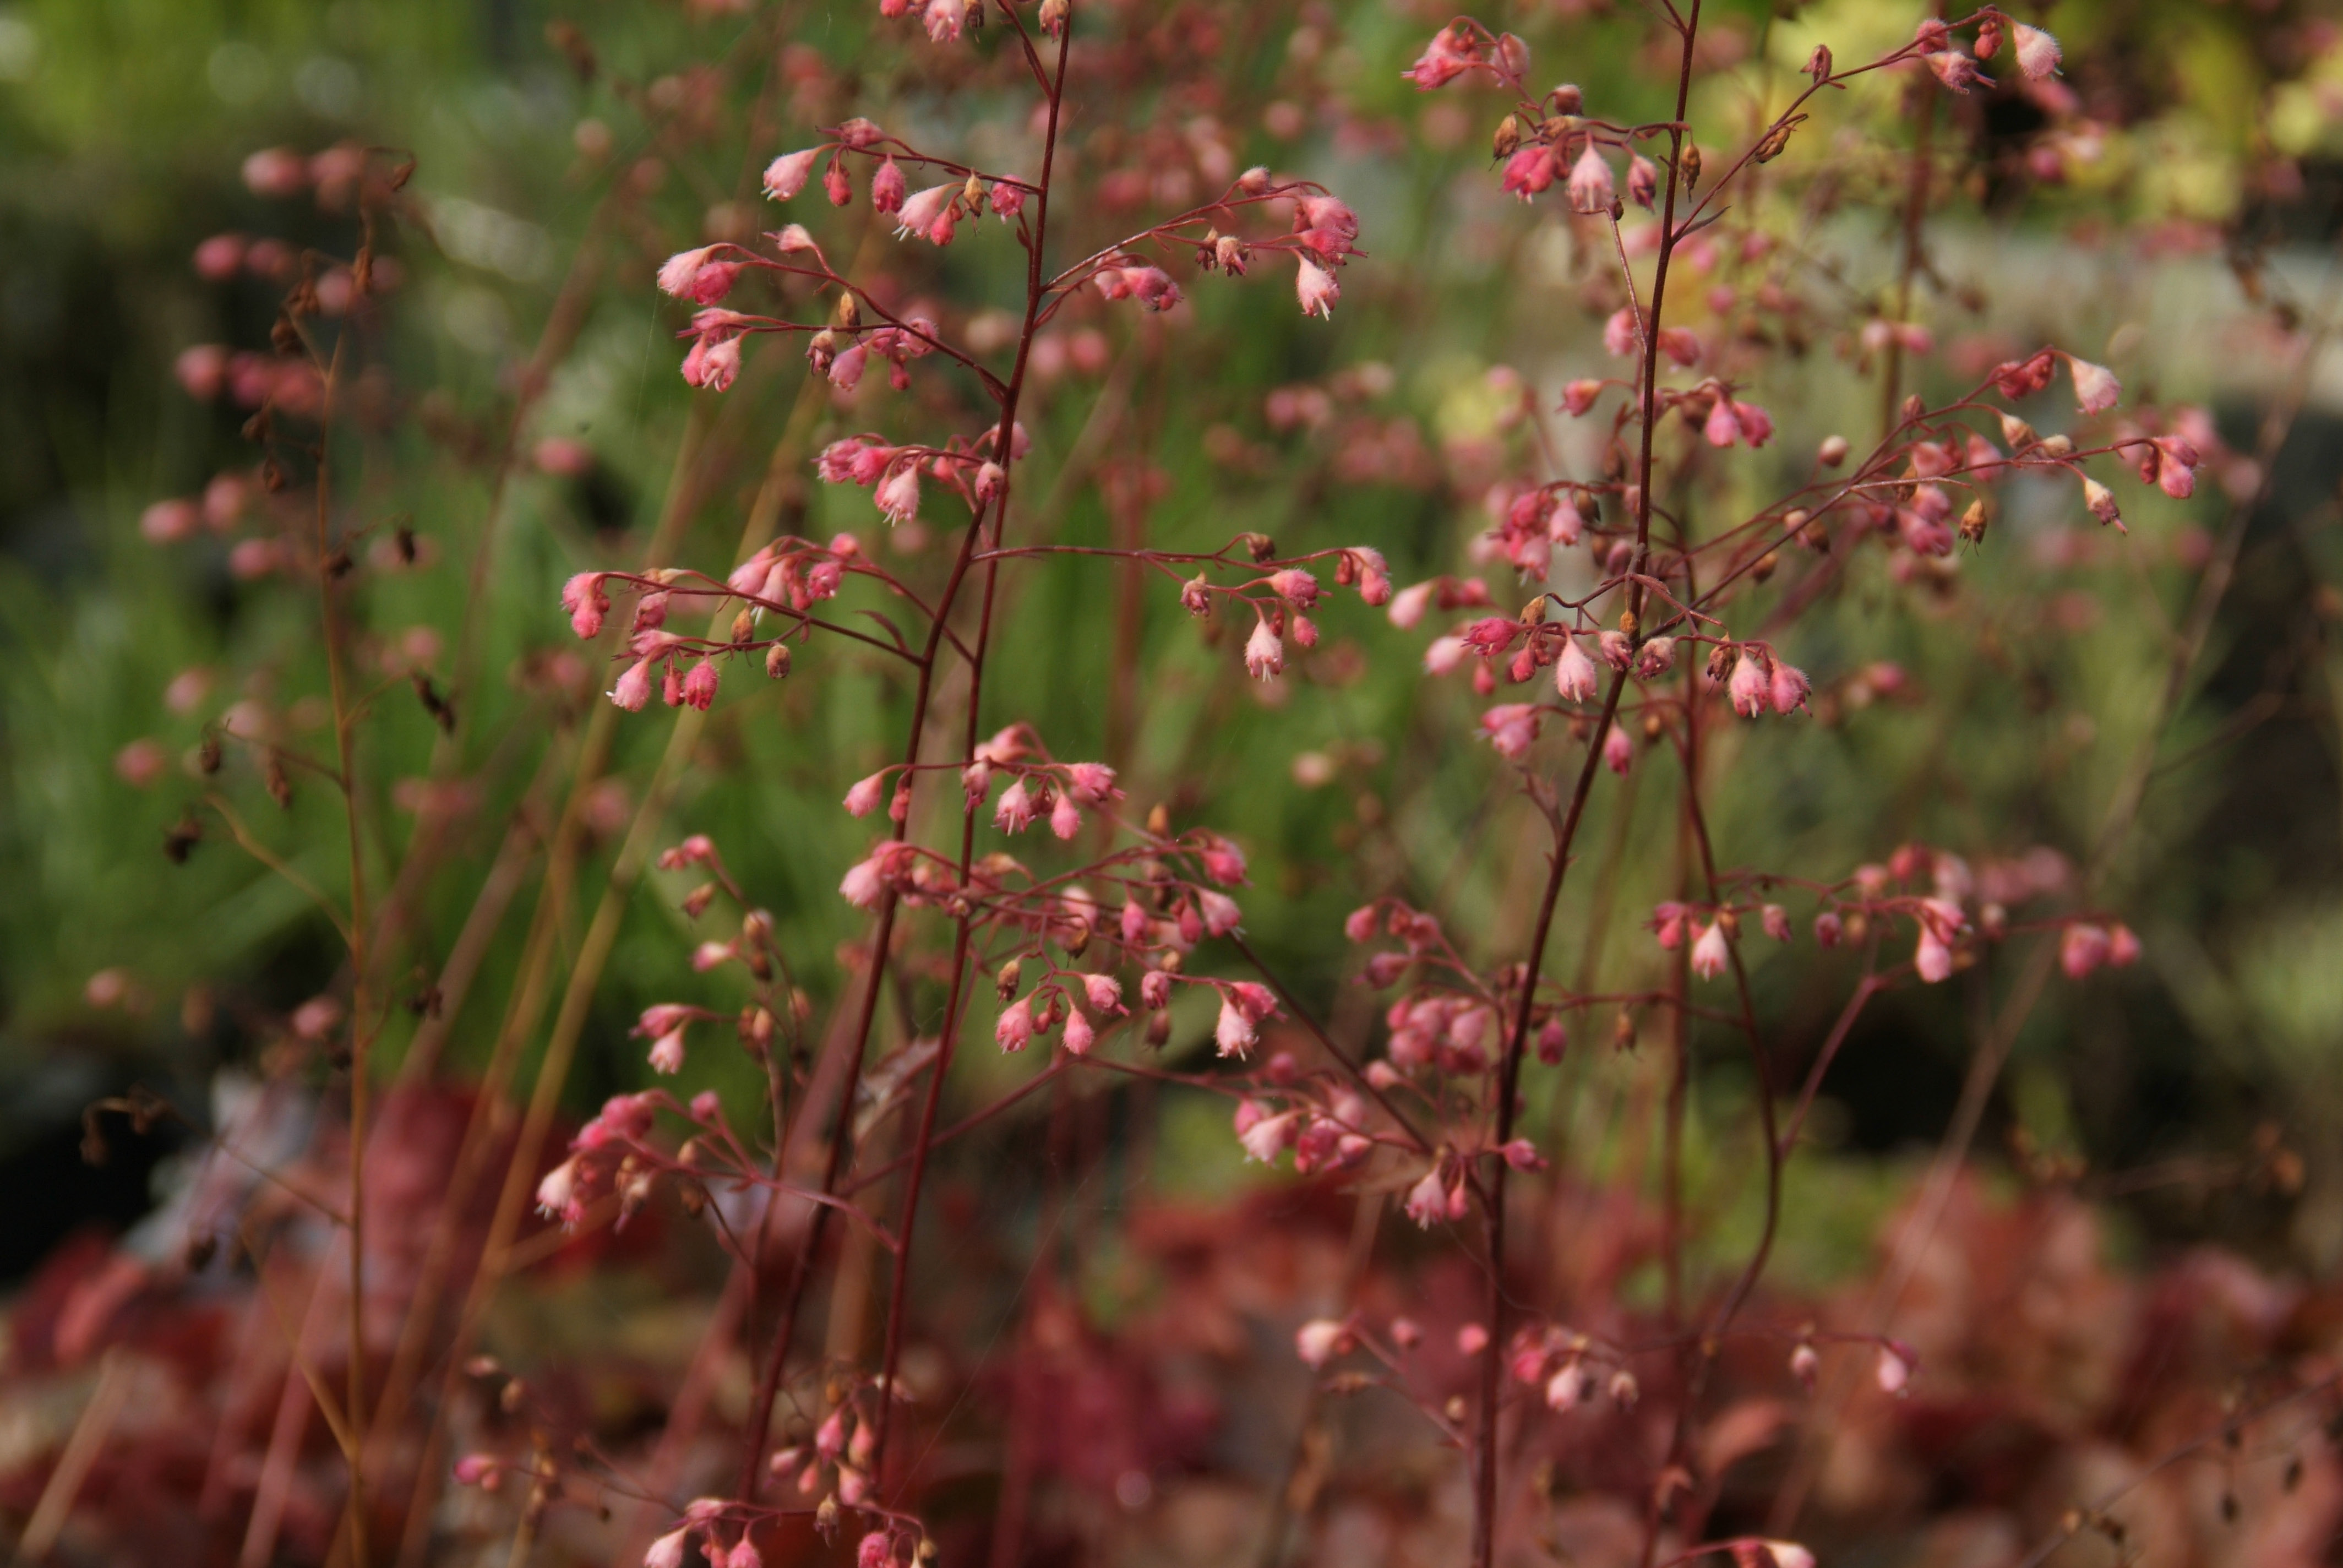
(1035, 294)
(1485, 1459)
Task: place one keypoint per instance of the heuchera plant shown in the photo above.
(1633, 614)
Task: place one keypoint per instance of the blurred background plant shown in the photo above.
(2170, 207)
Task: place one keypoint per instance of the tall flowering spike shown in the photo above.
(1315, 288)
(1712, 953)
(787, 175)
(1591, 189)
(2037, 52)
(2096, 386)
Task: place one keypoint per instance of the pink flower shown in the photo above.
(1319, 1341)
(680, 276)
(1643, 181)
(1269, 1136)
(2037, 52)
(865, 883)
(1427, 1201)
(1749, 689)
(1788, 689)
(1008, 200)
(1829, 929)
(887, 187)
(2123, 947)
(1894, 1370)
(1234, 1032)
(898, 494)
(667, 1552)
(1579, 396)
(1295, 586)
(1315, 288)
(1956, 70)
(1932, 960)
(1590, 183)
(634, 687)
(1078, 1035)
(1756, 425)
(1776, 921)
(712, 365)
(1618, 751)
(1264, 653)
(1530, 171)
(1712, 953)
(921, 211)
(1224, 863)
(787, 175)
(666, 1051)
(2101, 502)
(1573, 672)
(1680, 344)
(1620, 335)
(1407, 605)
(1220, 912)
(1512, 728)
(2083, 949)
(1065, 817)
(2096, 386)
(1015, 1029)
(1104, 993)
(557, 1194)
(699, 686)
(1094, 781)
(1721, 428)
(586, 603)
(1447, 57)
(1014, 814)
